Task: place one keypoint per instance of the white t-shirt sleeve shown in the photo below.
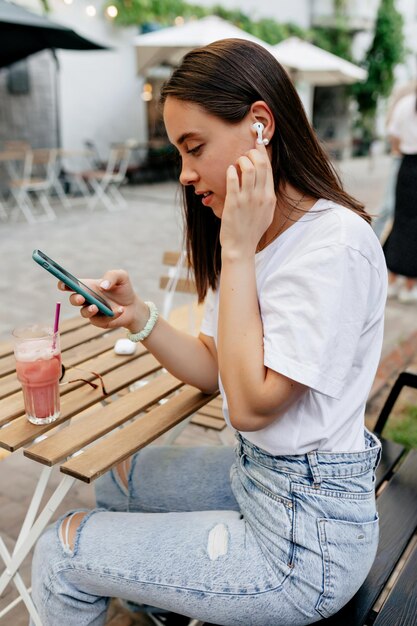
(395, 127)
(209, 322)
(313, 311)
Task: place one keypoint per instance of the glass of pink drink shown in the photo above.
(38, 368)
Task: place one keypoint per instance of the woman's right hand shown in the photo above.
(115, 287)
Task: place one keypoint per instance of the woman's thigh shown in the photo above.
(205, 564)
(171, 479)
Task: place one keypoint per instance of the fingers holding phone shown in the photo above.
(117, 289)
(72, 282)
(89, 309)
(109, 302)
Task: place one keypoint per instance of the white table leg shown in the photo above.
(24, 593)
(34, 505)
(30, 532)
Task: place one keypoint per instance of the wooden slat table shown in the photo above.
(139, 395)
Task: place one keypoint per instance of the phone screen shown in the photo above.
(73, 278)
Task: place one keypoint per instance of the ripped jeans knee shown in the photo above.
(70, 528)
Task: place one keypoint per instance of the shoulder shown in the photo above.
(330, 225)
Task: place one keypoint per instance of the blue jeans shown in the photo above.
(235, 537)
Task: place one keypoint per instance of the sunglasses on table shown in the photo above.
(84, 380)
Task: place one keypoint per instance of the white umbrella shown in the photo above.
(169, 45)
(315, 65)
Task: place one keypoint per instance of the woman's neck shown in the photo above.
(291, 205)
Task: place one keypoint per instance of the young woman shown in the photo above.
(281, 530)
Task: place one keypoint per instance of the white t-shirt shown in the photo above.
(403, 124)
(321, 289)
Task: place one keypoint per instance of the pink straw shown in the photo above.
(56, 321)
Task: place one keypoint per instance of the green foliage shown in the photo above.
(336, 39)
(403, 429)
(163, 12)
(267, 29)
(273, 32)
(385, 52)
(45, 6)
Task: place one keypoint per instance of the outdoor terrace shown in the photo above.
(88, 242)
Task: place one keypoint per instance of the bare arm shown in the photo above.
(191, 359)
(256, 395)
(395, 144)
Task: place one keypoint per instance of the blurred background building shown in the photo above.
(68, 97)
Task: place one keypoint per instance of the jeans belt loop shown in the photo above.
(378, 457)
(239, 445)
(314, 468)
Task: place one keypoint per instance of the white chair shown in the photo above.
(15, 152)
(106, 182)
(57, 185)
(74, 163)
(40, 185)
(176, 280)
(11, 161)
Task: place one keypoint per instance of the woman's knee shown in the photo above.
(56, 586)
(69, 528)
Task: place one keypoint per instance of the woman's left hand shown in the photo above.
(250, 203)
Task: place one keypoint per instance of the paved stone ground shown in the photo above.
(87, 243)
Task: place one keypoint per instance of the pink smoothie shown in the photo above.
(38, 368)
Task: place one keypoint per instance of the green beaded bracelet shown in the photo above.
(148, 328)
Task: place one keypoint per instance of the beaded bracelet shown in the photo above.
(148, 328)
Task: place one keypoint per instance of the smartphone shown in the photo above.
(73, 283)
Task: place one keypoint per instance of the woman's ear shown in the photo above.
(261, 113)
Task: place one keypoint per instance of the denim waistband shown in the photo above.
(317, 463)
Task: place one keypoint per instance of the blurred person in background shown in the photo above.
(382, 224)
(400, 247)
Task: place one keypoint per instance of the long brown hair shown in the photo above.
(225, 78)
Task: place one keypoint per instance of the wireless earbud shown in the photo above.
(259, 127)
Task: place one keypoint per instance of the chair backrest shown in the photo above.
(18, 161)
(19, 165)
(44, 156)
(17, 146)
(41, 164)
(27, 165)
(118, 162)
(177, 279)
(94, 154)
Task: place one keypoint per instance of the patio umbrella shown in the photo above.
(315, 65)
(169, 45)
(23, 33)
